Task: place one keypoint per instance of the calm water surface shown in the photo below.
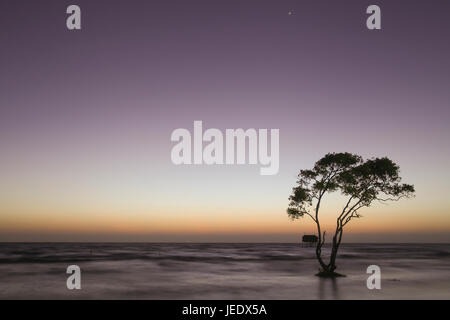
(219, 271)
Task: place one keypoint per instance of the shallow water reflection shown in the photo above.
(220, 271)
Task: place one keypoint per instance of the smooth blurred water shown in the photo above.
(220, 271)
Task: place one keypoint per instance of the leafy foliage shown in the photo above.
(361, 181)
(313, 184)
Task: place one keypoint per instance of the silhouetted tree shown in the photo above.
(362, 182)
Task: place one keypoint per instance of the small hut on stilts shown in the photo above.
(309, 240)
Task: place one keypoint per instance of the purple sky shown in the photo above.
(86, 116)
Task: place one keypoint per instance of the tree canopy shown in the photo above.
(361, 181)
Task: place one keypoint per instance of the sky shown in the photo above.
(86, 116)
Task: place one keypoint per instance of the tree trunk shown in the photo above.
(329, 270)
(334, 250)
(319, 256)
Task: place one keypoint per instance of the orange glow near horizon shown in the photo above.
(203, 223)
(206, 205)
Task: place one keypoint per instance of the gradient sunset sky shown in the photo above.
(86, 116)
